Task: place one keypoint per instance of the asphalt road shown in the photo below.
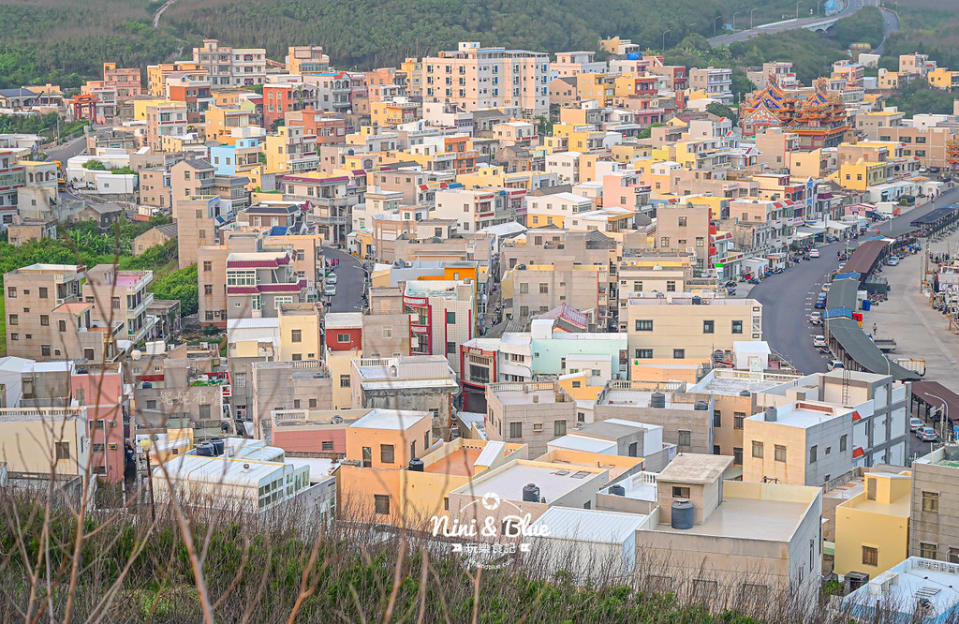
(777, 27)
(788, 298)
(890, 23)
(68, 150)
(350, 282)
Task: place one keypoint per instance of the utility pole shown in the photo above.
(751, 17)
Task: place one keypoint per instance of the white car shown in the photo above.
(815, 317)
(331, 279)
(893, 260)
(826, 286)
(834, 364)
(915, 424)
(330, 290)
(819, 341)
(813, 253)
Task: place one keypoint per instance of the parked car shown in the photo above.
(753, 280)
(825, 287)
(820, 305)
(915, 424)
(893, 260)
(813, 253)
(330, 290)
(834, 364)
(928, 434)
(815, 318)
(819, 341)
(331, 279)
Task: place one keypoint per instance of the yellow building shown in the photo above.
(220, 123)
(140, 107)
(44, 440)
(379, 487)
(598, 87)
(300, 335)
(860, 175)
(942, 78)
(872, 528)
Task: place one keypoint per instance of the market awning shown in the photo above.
(864, 351)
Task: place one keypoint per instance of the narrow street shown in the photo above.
(350, 285)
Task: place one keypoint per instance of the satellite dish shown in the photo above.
(135, 354)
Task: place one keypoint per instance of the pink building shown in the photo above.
(126, 80)
(101, 392)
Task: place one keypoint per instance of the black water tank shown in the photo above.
(205, 449)
(657, 399)
(697, 300)
(701, 405)
(682, 514)
(218, 445)
(416, 465)
(531, 493)
(617, 490)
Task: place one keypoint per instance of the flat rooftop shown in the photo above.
(748, 518)
(461, 462)
(398, 420)
(641, 486)
(913, 579)
(522, 397)
(727, 382)
(804, 414)
(640, 398)
(554, 480)
(583, 443)
(695, 468)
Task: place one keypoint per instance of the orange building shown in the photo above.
(816, 116)
(325, 126)
(126, 80)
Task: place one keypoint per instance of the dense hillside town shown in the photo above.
(587, 313)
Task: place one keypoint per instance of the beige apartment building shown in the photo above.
(531, 289)
(45, 317)
(685, 227)
(934, 517)
(531, 413)
(686, 326)
(41, 440)
(120, 296)
(165, 120)
(750, 545)
(477, 78)
(231, 67)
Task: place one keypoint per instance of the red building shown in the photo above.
(326, 127)
(278, 99)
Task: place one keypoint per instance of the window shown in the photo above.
(450, 318)
(737, 455)
(14, 319)
(516, 430)
(757, 449)
(644, 325)
(382, 503)
(343, 338)
(928, 551)
(450, 346)
(679, 354)
(737, 327)
(543, 289)
(12, 292)
(344, 381)
(204, 411)
(670, 286)
(813, 452)
(311, 403)
(685, 438)
(62, 325)
(296, 335)
(523, 289)
(930, 502)
(843, 439)
(386, 453)
(62, 450)
(780, 453)
(45, 350)
(680, 492)
(754, 592)
(208, 289)
(644, 354)
(207, 265)
(717, 418)
(559, 427)
(709, 327)
(43, 292)
(738, 418)
(953, 555)
(537, 427)
(151, 404)
(705, 588)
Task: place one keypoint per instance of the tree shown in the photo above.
(917, 96)
(721, 110)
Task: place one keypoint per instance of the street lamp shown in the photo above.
(943, 416)
(146, 444)
(751, 17)
(664, 40)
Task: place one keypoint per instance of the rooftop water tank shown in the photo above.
(416, 465)
(682, 514)
(770, 415)
(531, 493)
(206, 449)
(218, 445)
(617, 490)
(657, 399)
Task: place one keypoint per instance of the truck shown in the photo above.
(916, 365)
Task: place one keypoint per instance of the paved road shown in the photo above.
(350, 282)
(890, 23)
(159, 12)
(777, 27)
(68, 150)
(788, 298)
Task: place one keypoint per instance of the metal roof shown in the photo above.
(864, 351)
(937, 214)
(589, 525)
(864, 258)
